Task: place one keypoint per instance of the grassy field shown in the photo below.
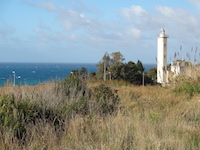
(97, 115)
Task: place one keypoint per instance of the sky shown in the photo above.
(82, 31)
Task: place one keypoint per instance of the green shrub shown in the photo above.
(75, 98)
(188, 86)
(72, 88)
(79, 99)
(78, 107)
(101, 102)
(16, 115)
(104, 100)
(13, 116)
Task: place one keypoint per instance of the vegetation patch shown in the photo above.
(16, 115)
(189, 87)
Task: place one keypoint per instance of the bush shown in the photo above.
(15, 116)
(70, 98)
(190, 87)
(105, 101)
(83, 101)
(78, 107)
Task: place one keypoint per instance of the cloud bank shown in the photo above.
(81, 27)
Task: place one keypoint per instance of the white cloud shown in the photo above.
(140, 18)
(83, 27)
(176, 15)
(183, 23)
(134, 33)
(196, 3)
(92, 32)
(50, 6)
(47, 5)
(133, 11)
(77, 24)
(71, 20)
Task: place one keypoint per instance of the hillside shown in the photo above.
(111, 115)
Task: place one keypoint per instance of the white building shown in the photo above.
(178, 67)
(162, 57)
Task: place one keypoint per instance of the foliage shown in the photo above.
(51, 118)
(140, 66)
(118, 70)
(15, 116)
(73, 87)
(105, 100)
(131, 73)
(76, 99)
(105, 62)
(80, 107)
(187, 86)
(81, 74)
(75, 95)
(117, 58)
(152, 73)
(92, 75)
(101, 100)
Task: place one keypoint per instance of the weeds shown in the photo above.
(188, 86)
(74, 114)
(16, 116)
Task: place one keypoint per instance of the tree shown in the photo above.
(140, 71)
(131, 73)
(140, 66)
(112, 64)
(116, 71)
(80, 73)
(103, 65)
(117, 58)
(116, 65)
(152, 73)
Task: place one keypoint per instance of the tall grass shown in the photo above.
(96, 115)
(191, 87)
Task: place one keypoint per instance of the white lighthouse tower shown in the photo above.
(162, 57)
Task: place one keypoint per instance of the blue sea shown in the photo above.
(36, 73)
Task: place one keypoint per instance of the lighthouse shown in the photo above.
(162, 57)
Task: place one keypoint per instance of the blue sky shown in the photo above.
(81, 31)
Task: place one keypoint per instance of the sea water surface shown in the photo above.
(36, 73)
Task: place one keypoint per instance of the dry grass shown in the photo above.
(148, 118)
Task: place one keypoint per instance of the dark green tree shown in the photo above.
(139, 66)
(115, 67)
(152, 73)
(131, 73)
(140, 69)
